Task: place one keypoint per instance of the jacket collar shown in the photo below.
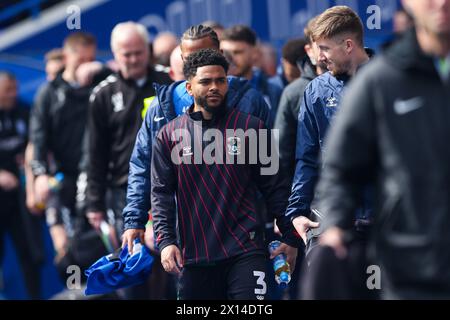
(237, 87)
(164, 94)
(198, 116)
(346, 77)
(307, 69)
(132, 82)
(406, 54)
(59, 80)
(60, 83)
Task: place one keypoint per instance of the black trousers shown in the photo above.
(327, 277)
(116, 200)
(13, 221)
(61, 206)
(239, 278)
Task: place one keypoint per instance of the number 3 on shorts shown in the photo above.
(260, 281)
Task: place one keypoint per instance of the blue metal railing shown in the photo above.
(33, 6)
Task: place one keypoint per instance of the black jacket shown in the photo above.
(287, 118)
(394, 129)
(115, 116)
(13, 137)
(57, 125)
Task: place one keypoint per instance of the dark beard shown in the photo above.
(322, 66)
(220, 109)
(342, 70)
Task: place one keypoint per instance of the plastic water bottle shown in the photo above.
(54, 183)
(280, 266)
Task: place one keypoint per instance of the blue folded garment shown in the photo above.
(119, 270)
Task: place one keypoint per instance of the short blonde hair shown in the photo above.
(336, 21)
(79, 38)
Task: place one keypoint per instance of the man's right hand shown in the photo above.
(41, 188)
(128, 238)
(302, 224)
(171, 259)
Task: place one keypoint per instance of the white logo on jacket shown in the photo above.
(117, 101)
(187, 151)
(403, 106)
(331, 102)
(234, 145)
(61, 96)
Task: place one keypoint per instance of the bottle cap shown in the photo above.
(273, 245)
(284, 277)
(59, 176)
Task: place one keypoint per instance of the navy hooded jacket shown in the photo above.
(321, 101)
(162, 110)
